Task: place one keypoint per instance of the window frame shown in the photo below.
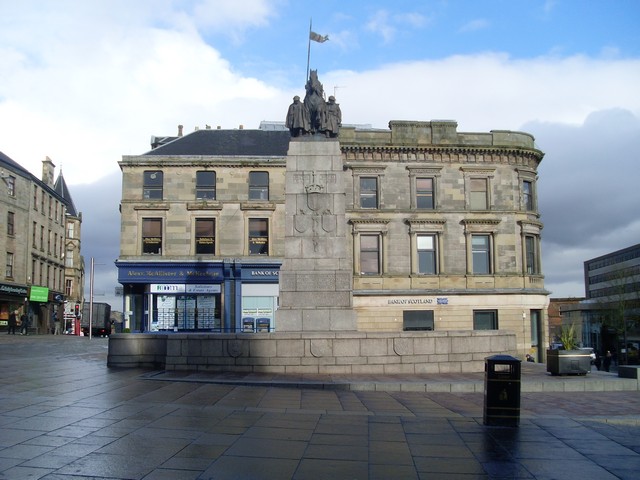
(472, 174)
(431, 194)
(373, 253)
(258, 189)
(10, 181)
(528, 200)
(493, 314)
(429, 322)
(433, 253)
(206, 190)
(258, 236)
(366, 194)
(150, 233)
(152, 188)
(9, 264)
(11, 226)
(204, 244)
(478, 197)
(488, 261)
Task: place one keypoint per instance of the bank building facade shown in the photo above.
(412, 228)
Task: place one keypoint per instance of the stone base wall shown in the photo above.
(347, 353)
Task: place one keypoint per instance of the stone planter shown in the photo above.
(568, 362)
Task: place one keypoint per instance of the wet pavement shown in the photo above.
(65, 415)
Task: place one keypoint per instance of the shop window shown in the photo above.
(370, 254)
(257, 314)
(206, 185)
(258, 236)
(205, 236)
(424, 193)
(152, 236)
(417, 320)
(368, 192)
(481, 254)
(485, 320)
(427, 263)
(152, 185)
(258, 186)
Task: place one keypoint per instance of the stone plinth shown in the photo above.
(327, 352)
(315, 277)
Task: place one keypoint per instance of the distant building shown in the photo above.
(33, 243)
(74, 271)
(609, 317)
(555, 311)
(443, 230)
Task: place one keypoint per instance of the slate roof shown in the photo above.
(15, 166)
(61, 188)
(228, 142)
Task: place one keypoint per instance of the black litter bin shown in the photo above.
(502, 390)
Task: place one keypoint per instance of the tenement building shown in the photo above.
(33, 242)
(429, 229)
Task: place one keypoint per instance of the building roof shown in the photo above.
(61, 188)
(228, 142)
(15, 167)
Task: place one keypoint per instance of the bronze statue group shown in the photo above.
(314, 115)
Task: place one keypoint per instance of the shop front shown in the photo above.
(259, 297)
(12, 298)
(225, 296)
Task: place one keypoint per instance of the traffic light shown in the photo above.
(77, 311)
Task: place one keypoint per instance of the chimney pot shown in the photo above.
(180, 127)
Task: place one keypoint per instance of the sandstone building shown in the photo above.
(40, 244)
(442, 231)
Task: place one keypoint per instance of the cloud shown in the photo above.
(587, 192)
(488, 91)
(386, 25)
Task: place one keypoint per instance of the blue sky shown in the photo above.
(85, 82)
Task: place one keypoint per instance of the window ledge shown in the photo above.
(257, 205)
(151, 206)
(204, 205)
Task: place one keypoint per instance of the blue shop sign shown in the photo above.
(168, 273)
(261, 274)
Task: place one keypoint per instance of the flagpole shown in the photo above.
(308, 52)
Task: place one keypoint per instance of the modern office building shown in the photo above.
(442, 230)
(609, 317)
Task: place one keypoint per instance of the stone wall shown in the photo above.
(313, 353)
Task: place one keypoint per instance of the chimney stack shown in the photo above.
(48, 169)
(180, 130)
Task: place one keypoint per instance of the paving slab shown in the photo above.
(65, 415)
